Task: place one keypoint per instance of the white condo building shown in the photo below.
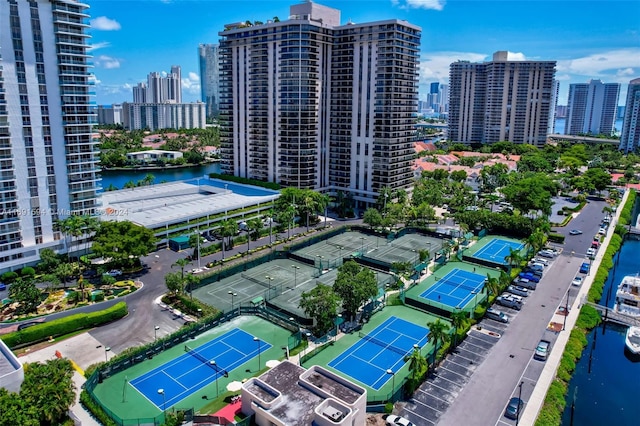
(209, 78)
(501, 100)
(48, 156)
(592, 108)
(310, 103)
(630, 137)
(157, 116)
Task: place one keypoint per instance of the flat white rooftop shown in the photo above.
(165, 204)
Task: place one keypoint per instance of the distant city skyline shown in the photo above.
(588, 39)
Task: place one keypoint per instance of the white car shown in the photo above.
(547, 253)
(519, 290)
(114, 273)
(576, 281)
(591, 252)
(393, 420)
(602, 231)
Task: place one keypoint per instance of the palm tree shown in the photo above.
(228, 228)
(457, 321)
(70, 227)
(513, 258)
(90, 226)
(417, 363)
(492, 285)
(253, 229)
(308, 205)
(438, 331)
(181, 263)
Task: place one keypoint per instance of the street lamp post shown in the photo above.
(295, 275)
(155, 332)
(270, 279)
(362, 239)
(393, 383)
(232, 294)
(320, 262)
(213, 363)
(337, 325)
(106, 353)
(255, 339)
(519, 402)
(164, 401)
(475, 304)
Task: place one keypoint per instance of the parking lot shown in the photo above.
(496, 355)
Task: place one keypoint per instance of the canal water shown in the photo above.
(119, 178)
(607, 377)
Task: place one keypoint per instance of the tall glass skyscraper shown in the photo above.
(209, 78)
(48, 156)
(630, 137)
(592, 108)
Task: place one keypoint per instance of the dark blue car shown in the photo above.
(584, 268)
(529, 276)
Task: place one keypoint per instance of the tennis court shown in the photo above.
(384, 348)
(496, 250)
(456, 288)
(405, 249)
(198, 367)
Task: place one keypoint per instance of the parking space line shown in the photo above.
(433, 396)
(454, 372)
(451, 381)
(440, 387)
(426, 405)
(482, 358)
(418, 415)
(478, 346)
(449, 359)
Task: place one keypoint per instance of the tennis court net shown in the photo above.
(385, 345)
(453, 283)
(208, 362)
(255, 280)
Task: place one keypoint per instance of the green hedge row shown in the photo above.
(62, 326)
(95, 409)
(556, 238)
(246, 181)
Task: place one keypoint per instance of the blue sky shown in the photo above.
(588, 39)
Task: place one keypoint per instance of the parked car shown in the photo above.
(536, 266)
(545, 262)
(514, 408)
(602, 231)
(497, 315)
(114, 272)
(518, 290)
(575, 232)
(542, 350)
(584, 268)
(591, 252)
(510, 301)
(547, 253)
(3, 286)
(576, 281)
(393, 420)
(530, 276)
(523, 282)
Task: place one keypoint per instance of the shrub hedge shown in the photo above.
(62, 326)
(95, 409)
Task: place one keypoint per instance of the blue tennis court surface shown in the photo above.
(497, 250)
(188, 373)
(455, 289)
(382, 349)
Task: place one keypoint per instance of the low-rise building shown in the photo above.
(11, 371)
(290, 395)
(153, 155)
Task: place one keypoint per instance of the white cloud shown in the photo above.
(103, 23)
(100, 45)
(435, 66)
(516, 56)
(191, 84)
(93, 79)
(419, 4)
(107, 62)
(603, 64)
(627, 72)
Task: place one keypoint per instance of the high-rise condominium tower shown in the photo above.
(501, 100)
(161, 88)
(48, 157)
(592, 108)
(310, 103)
(209, 78)
(630, 137)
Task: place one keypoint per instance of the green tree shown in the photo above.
(438, 330)
(228, 228)
(254, 226)
(492, 285)
(174, 282)
(194, 243)
(70, 227)
(50, 388)
(26, 294)
(64, 271)
(49, 260)
(513, 258)
(372, 217)
(321, 304)
(120, 240)
(355, 285)
(14, 410)
(458, 320)
(599, 178)
(182, 263)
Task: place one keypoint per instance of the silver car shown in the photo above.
(519, 290)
